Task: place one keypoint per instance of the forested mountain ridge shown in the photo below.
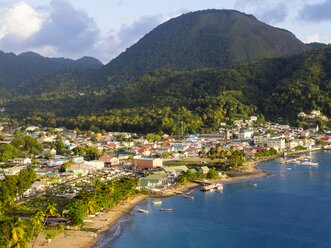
(204, 39)
(201, 39)
(15, 69)
(202, 99)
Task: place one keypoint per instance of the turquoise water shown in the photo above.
(290, 208)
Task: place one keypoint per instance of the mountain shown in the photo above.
(202, 99)
(316, 45)
(15, 69)
(204, 39)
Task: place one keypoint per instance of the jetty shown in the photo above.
(294, 160)
(213, 186)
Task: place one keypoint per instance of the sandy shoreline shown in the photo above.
(91, 232)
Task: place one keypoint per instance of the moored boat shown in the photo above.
(157, 202)
(308, 163)
(188, 196)
(166, 209)
(143, 211)
(219, 187)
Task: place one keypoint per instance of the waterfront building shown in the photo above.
(276, 143)
(147, 163)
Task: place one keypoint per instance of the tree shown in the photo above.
(212, 174)
(37, 221)
(151, 137)
(166, 155)
(50, 210)
(64, 166)
(92, 153)
(17, 234)
(7, 151)
(76, 212)
(59, 145)
(79, 151)
(25, 179)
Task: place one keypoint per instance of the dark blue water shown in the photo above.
(291, 208)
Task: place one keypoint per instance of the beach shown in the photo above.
(91, 232)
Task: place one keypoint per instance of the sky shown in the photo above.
(105, 28)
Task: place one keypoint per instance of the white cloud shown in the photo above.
(57, 29)
(20, 21)
(313, 38)
(67, 30)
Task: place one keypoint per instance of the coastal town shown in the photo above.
(67, 162)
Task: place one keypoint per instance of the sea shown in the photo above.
(289, 208)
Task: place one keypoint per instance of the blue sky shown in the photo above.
(105, 28)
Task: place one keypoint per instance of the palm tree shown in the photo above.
(37, 221)
(90, 207)
(18, 236)
(49, 211)
(98, 185)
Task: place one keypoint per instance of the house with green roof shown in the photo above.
(175, 170)
(154, 180)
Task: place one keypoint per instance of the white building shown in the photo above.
(253, 118)
(245, 134)
(260, 140)
(39, 186)
(276, 143)
(13, 170)
(95, 164)
(77, 159)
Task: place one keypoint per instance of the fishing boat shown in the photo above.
(166, 209)
(157, 202)
(308, 163)
(143, 211)
(188, 196)
(219, 187)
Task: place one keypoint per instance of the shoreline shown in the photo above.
(89, 235)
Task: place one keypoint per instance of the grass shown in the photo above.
(40, 202)
(193, 161)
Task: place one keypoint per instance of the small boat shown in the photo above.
(157, 202)
(143, 211)
(166, 209)
(308, 163)
(219, 187)
(188, 196)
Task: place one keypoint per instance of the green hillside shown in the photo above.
(202, 99)
(15, 69)
(204, 39)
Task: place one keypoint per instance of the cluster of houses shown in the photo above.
(126, 151)
(315, 114)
